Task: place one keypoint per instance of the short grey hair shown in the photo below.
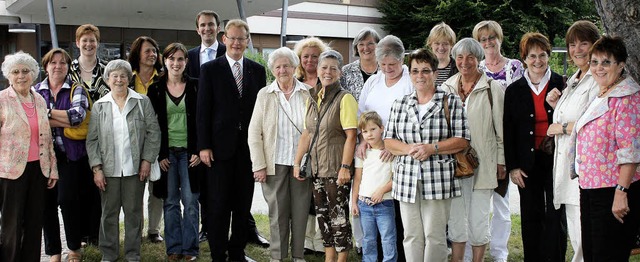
(283, 52)
(117, 65)
(468, 46)
(390, 46)
(20, 58)
(332, 54)
(363, 34)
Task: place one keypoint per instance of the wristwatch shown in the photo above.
(345, 166)
(49, 113)
(621, 188)
(564, 128)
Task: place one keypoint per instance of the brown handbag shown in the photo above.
(467, 159)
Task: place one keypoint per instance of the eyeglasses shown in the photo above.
(24, 71)
(423, 71)
(542, 56)
(604, 63)
(239, 39)
(368, 44)
(490, 38)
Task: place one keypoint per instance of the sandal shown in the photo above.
(74, 256)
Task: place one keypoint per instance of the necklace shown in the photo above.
(31, 107)
(85, 70)
(535, 84)
(367, 73)
(287, 93)
(464, 93)
(496, 63)
(609, 87)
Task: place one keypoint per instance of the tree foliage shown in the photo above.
(412, 20)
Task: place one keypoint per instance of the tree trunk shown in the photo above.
(622, 18)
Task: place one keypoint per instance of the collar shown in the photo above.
(131, 94)
(275, 88)
(45, 84)
(231, 61)
(214, 47)
(543, 82)
(624, 88)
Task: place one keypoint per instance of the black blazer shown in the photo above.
(193, 65)
(519, 122)
(157, 93)
(223, 116)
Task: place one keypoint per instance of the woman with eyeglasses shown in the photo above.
(483, 101)
(504, 71)
(569, 106)
(529, 152)
(607, 156)
(28, 164)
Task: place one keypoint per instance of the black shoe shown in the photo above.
(359, 251)
(308, 251)
(258, 240)
(155, 238)
(202, 237)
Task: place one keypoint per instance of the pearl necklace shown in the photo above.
(85, 70)
(496, 63)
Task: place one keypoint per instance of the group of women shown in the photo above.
(571, 148)
(87, 118)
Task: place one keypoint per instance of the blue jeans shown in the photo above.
(378, 218)
(181, 230)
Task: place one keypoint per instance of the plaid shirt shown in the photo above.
(435, 173)
(98, 87)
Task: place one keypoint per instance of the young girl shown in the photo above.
(371, 191)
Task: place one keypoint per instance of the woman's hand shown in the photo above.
(260, 175)
(620, 207)
(145, 169)
(99, 180)
(517, 176)
(164, 164)
(194, 161)
(361, 149)
(377, 196)
(554, 129)
(553, 96)
(386, 156)
(296, 173)
(355, 211)
(51, 182)
(344, 176)
(421, 152)
(502, 172)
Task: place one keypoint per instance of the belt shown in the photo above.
(366, 200)
(177, 149)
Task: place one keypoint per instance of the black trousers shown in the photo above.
(544, 229)
(79, 202)
(230, 183)
(21, 208)
(603, 237)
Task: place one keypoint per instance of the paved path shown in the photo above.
(260, 207)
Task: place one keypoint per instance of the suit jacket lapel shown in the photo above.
(15, 102)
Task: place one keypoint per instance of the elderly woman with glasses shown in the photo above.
(423, 140)
(607, 156)
(274, 131)
(331, 118)
(483, 100)
(529, 152)
(28, 164)
(123, 141)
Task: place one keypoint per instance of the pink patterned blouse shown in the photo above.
(608, 135)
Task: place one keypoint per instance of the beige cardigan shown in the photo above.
(487, 142)
(263, 128)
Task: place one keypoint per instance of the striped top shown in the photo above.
(443, 75)
(290, 124)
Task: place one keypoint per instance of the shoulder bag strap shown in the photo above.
(285, 113)
(447, 113)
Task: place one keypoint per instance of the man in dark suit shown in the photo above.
(227, 93)
(208, 26)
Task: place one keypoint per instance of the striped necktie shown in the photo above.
(237, 74)
(209, 54)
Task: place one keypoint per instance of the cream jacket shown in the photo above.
(263, 128)
(485, 126)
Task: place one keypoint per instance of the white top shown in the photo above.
(122, 146)
(203, 52)
(573, 102)
(376, 96)
(288, 111)
(375, 173)
(423, 108)
(231, 62)
(543, 82)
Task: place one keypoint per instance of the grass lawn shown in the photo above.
(156, 252)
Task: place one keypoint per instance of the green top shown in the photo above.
(177, 123)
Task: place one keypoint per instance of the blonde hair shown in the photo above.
(489, 26)
(311, 41)
(441, 31)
